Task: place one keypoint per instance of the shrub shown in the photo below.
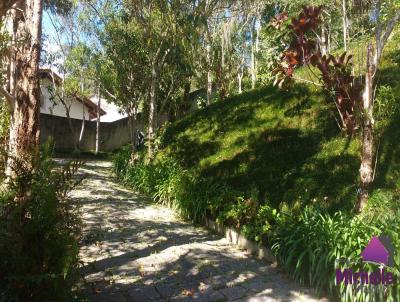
(240, 212)
(260, 227)
(169, 184)
(199, 198)
(121, 160)
(38, 234)
(310, 245)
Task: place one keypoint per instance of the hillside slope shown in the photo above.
(285, 144)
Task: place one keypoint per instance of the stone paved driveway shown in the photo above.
(134, 251)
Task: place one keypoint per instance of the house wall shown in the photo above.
(112, 135)
(48, 106)
(112, 111)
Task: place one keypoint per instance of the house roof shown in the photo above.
(92, 107)
(46, 73)
(113, 112)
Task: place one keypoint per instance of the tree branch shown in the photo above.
(9, 98)
(109, 94)
(5, 5)
(307, 81)
(388, 31)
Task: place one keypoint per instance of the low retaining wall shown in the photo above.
(236, 238)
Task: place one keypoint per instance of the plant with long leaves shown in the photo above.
(336, 76)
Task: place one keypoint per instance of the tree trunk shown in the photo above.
(25, 130)
(186, 97)
(209, 75)
(344, 14)
(5, 5)
(152, 113)
(98, 123)
(253, 60)
(72, 129)
(83, 125)
(240, 77)
(329, 40)
(367, 169)
(222, 88)
(256, 52)
(323, 41)
(133, 129)
(12, 29)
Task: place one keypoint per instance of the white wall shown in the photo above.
(49, 107)
(112, 111)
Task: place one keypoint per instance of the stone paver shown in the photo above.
(134, 251)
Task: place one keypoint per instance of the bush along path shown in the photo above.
(133, 250)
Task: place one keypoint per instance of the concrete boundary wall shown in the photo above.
(112, 135)
(241, 241)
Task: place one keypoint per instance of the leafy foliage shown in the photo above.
(336, 74)
(308, 241)
(386, 104)
(312, 245)
(169, 184)
(39, 234)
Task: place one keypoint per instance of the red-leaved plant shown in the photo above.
(336, 75)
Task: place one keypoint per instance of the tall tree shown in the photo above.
(383, 31)
(124, 71)
(22, 92)
(23, 95)
(336, 76)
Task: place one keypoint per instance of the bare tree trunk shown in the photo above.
(323, 42)
(98, 122)
(11, 80)
(132, 116)
(240, 77)
(209, 75)
(186, 96)
(253, 60)
(72, 129)
(256, 52)
(329, 40)
(152, 113)
(344, 14)
(83, 114)
(222, 88)
(25, 130)
(366, 169)
(83, 125)
(132, 132)
(368, 145)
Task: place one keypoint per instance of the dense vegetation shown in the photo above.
(270, 162)
(275, 165)
(39, 234)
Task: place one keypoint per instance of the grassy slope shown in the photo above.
(285, 144)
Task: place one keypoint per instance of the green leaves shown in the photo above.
(310, 246)
(39, 237)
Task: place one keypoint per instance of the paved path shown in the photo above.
(134, 251)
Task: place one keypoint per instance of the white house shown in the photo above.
(79, 108)
(113, 113)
